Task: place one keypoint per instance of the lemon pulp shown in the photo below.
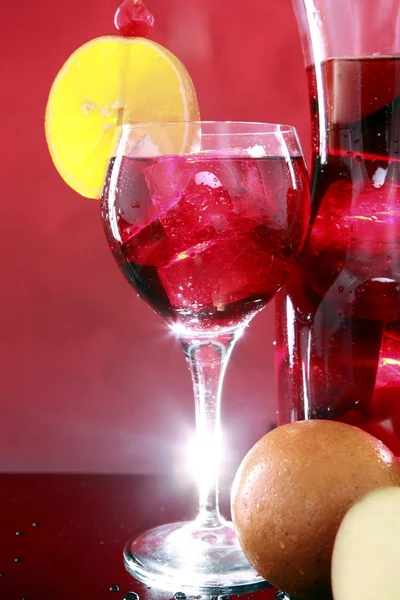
(106, 82)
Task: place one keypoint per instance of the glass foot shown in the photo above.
(182, 556)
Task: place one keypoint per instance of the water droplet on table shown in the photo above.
(224, 597)
(114, 588)
(19, 533)
(18, 559)
(2, 574)
(131, 596)
(36, 524)
(179, 596)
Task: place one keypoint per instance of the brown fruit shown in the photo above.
(291, 492)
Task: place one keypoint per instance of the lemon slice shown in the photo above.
(108, 81)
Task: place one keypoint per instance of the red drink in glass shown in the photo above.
(206, 241)
(339, 324)
(205, 220)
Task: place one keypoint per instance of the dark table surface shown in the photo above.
(62, 536)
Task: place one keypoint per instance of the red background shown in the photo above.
(90, 378)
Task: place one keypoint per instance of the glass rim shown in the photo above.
(265, 126)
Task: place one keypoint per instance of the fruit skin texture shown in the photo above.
(291, 492)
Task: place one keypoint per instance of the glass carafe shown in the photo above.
(338, 318)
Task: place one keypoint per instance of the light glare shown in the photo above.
(203, 459)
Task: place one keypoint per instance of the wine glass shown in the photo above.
(205, 220)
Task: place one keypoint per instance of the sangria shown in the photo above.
(206, 234)
(203, 238)
(338, 344)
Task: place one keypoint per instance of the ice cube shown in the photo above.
(219, 272)
(355, 238)
(145, 147)
(203, 211)
(378, 178)
(358, 220)
(256, 151)
(150, 246)
(263, 191)
(207, 178)
(167, 178)
(133, 206)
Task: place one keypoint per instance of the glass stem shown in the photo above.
(207, 360)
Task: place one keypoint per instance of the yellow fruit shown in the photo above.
(107, 82)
